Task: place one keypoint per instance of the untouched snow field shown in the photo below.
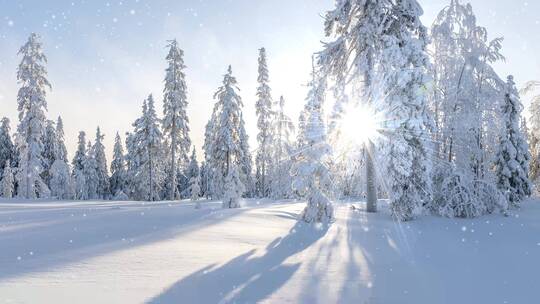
(132, 252)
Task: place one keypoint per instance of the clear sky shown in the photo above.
(105, 57)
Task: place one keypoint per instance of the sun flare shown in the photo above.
(360, 125)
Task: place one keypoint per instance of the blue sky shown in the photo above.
(105, 57)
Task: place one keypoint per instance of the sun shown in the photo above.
(360, 125)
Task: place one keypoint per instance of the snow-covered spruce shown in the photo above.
(7, 148)
(404, 61)
(225, 143)
(353, 59)
(175, 120)
(234, 188)
(118, 179)
(265, 116)
(98, 151)
(311, 173)
(7, 181)
(32, 105)
(512, 164)
(282, 150)
(195, 190)
(145, 147)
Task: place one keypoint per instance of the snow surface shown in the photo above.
(133, 252)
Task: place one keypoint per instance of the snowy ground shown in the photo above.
(130, 252)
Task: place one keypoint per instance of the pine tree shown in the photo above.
(225, 141)
(263, 108)
(352, 58)
(405, 69)
(7, 181)
(175, 120)
(78, 176)
(7, 149)
(282, 150)
(32, 105)
(50, 146)
(146, 146)
(90, 173)
(234, 188)
(310, 170)
(512, 164)
(193, 167)
(61, 144)
(118, 180)
(98, 151)
(205, 180)
(195, 190)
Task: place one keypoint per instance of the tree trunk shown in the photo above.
(173, 162)
(370, 179)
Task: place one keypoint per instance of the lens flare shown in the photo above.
(360, 125)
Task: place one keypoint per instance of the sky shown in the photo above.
(105, 57)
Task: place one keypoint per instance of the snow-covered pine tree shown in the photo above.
(118, 180)
(282, 151)
(7, 181)
(205, 180)
(265, 117)
(146, 146)
(195, 190)
(405, 63)
(351, 59)
(78, 178)
(90, 173)
(234, 188)
(225, 140)
(61, 182)
(534, 134)
(245, 166)
(61, 144)
(512, 164)
(98, 151)
(175, 120)
(32, 105)
(193, 167)
(311, 173)
(7, 149)
(50, 142)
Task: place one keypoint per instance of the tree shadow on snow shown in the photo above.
(246, 278)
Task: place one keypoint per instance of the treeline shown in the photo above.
(453, 141)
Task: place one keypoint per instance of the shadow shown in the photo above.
(247, 278)
(52, 237)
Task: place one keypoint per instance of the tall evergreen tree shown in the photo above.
(7, 149)
(224, 141)
(282, 151)
(193, 168)
(405, 68)
(50, 146)
(311, 174)
(147, 149)
(264, 112)
(512, 164)
(118, 180)
(7, 181)
(358, 27)
(60, 136)
(175, 119)
(61, 181)
(91, 173)
(98, 151)
(32, 106)
(77, 163)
